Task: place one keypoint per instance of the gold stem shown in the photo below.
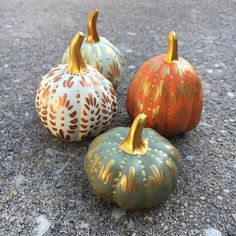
(92, 36)
(134, 143)
(172, 53)
(76, 64)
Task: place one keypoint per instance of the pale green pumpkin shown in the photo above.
(133, 167)
(101, 54)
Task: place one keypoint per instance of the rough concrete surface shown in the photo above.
(43, 188)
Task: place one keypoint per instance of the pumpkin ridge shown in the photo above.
(192, 111)
(116, 185)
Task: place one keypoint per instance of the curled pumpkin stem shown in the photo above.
(76, 64)
(172, 52)
(135, 143)
(92, 36)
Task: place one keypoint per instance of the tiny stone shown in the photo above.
(234, 217)
(189, 158)
(149, 218)
(117, 213)
(83, 225)
(129, 50)
(131, 66)
(212, 232)
(14, 192)
(205, 125)
(165, 228)
(131, 224)
(220, 198)
(230, 95)
(19, 179)
(220, 65)
(43, 225)
(209, 71)
(132, 33)
(183, 225)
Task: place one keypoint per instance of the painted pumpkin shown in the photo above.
(100, 53)
(133, 167)
(168, 90)
(75, 101)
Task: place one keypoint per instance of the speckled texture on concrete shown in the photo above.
(43, 188)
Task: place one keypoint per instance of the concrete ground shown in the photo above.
(43, 188)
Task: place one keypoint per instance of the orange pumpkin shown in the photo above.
(168, 90)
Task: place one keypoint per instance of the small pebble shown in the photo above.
(14, 192)
(132, 33)
(129, 50)
(230, 95)
(149, 218)
(189, 158)
(220, 198)
(212, 232)
(234, 217)
(131, 224)
(209, 71)
(117, 213)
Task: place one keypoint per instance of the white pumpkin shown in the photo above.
(75, 101)
(101, 54)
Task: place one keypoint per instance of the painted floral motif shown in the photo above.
(103, 56)
(75, 106)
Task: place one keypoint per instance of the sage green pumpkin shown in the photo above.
(133, 167)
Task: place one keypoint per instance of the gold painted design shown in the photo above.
(156, 112)
(123, 183)
(76, 63)
(131, 179)
(157, 179)
(114, 70)
(92, 36)
(165, 71)
(107, 169)
(175, 153)
(128, 183)
(146, 88)
(93, 164)
(182, 67)
(156, 173)
(172, 52)
(172, 168)
(134, 143)
(99, 67)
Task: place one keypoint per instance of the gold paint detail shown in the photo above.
(172, 168)
(172, 52)
(128, 183)
(131, 179)
(107, 169)
(134, 143)
(156, 173)
(92, 36)
(76, 64)
(123, 183)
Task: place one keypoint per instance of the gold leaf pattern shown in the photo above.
(114, 70)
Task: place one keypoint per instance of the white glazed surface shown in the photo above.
(103, 56)
(75, 106)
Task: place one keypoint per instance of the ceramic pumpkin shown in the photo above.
(75, 100)
(133, 167)
(168, 90)
(100, 53)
